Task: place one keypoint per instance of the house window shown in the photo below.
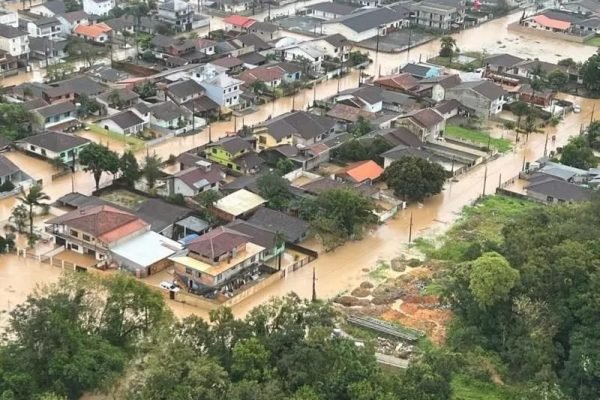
(32, 148)
(262, 140)
(188, 271)
(86, 237)
(73, 233)
(74, 247)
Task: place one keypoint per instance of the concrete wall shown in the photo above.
(516, 27)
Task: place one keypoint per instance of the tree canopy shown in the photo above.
(577, 153)
(15, 122)
(98, 159)
(414, 178)
(590, 73)
(275, 190)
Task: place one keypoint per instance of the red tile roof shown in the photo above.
(404, 81)
(552, 23)
(92, 31)
(238, 20)
(265, 74)
(217, 242)
(363, 170)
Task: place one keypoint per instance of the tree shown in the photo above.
(115, 99)
(557, 79)
(590, 73)
(58, 163)
(151, 170)
(130, 170)
(577, 153)
(59, 71)
(529, 124)
(284, 166)
(356, 58)
(19, 217)
(360, 150)
(72, 5)
(16, 122)
(568, 62)
(448, 47)
(520, 109)
(31, 199)
(88, 52)
(98, 159)
(88, 106)
(415, 178)
(491, 279)
(361, 127)
(207, 198)
(145, 90)
(275, 190)
(593, 135)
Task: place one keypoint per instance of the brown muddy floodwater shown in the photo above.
(342, 269)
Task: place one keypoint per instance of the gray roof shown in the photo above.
(56, 141)
(560, 190)
(402, 136)
(10, 32)
(292, 228)
(42, 44)
(334, 8)
(161, 214)
(201, 104)
(417, 70)
(162, 41)
(185, 88)
(56, 6)
(258, 234)
(166, 111)
(194, 224)
(34, 103)
(56, 108)
(74, 16)
(84, 85)
(502, 60)
(252, 58)
(369, 19)
(369, 94)
(487, 89)
(253, 40)
(232, 144)
(336, 40)
(447, 106)
(305, 124)
(119, 24)
(126, 119)
(259, 26)
(124, 94)
(249, 160)
(7, 167)
(46, 21)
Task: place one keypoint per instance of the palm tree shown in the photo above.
(18, 217)
(448, 47)
(31, 199)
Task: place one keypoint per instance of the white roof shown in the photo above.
(147, 249)
(240, 202)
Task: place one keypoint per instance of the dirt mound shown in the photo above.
(398, 264)
(367, 285)
(350, 301)
(361, 292)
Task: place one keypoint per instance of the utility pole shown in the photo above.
(484, 179)
(376, 50)
(209, 133)
(235, 124)
(410, 226)
(314, 286)
(409, 39)
(269, 14)
(314, 94)
(523, 167)
(546, 146)
(293, 102)
(193, 117)
(452, 172)
(592, 116)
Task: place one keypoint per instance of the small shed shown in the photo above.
(238, 204)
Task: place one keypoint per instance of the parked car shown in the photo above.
(169, 286)
(576, 108)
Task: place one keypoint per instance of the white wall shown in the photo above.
(16, 47)
(102, 8)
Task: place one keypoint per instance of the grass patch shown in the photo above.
(381, 271)
(502, 145)
(433, 288)
(134, 143)
(465, 388)
(595, 41)
(480, 223)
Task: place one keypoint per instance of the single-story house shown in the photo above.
(51, 145)
(294, 229)
(126, 123)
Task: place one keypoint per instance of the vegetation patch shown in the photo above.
(134, 143)
(478, 137)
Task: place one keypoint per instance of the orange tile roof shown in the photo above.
(123, 231)
(363, 170)
(238, 20)
(552, 23)
(93, 31)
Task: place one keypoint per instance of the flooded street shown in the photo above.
(340, 270)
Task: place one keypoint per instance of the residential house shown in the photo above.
(422, 70)
(164, 216)
(542, 97)
(232, 65)
(107, 74)
(550, 189)
(502, 62)
(126, 123)
(8, 63)
(47, 51)
(293, 229)
(54, 115)
(57, 94)
(118, 99)
(216, 259)
(165, 46)
(233, 6)
(293, 128)
(366, 24)
(51, 145)
(71, 19)
(98, 7)
(48, 8)
(452, 108)
(203, 176)
(99, 33)
(9, 172)
(346, 115)
(265, 30)
(183, 91)
(439, 15)
(435, 88)
(177, 13)
(238, 23)
(402, 82)
(188, 159)
(273, 242)
(83, 86)
(94, 230)
(203, 107)
(306, 54)
(9, 17)
(14, 42)
(272, 75)
(361, 172)
(171, 118)
(223, 89)
(122, 26)
(367, 98)
(239, 204)
(47, 27)
(248, 43)
(528, 68)
(32, 105)
(235, 154)
(427, 124)
(484, 97)
(330, 10)
(334, 46)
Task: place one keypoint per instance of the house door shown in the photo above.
(91, 252)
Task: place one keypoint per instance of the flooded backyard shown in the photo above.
(342, 269)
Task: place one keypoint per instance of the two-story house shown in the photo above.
(435, 88)
(94, 230)
(48, 8)
(51, 145)
(216, 258)
(223, 89)
(238, 23)
(200, 178)
(427, 124)
(305, 53)
(14, 42)
(484, 97)
(293, 128)
(118, 99)
(176, 13)
(71, 19)
(47, 52)
(234, 153)
(49, 27)
(55, 114)
(272, 75)
(334, 46)
(367, 98)
(273, 242)
(440, 15)
(98, 7)
(183, 91)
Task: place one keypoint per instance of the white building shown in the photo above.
(14, 41)
(305, 51)
(177, 13)
(10, 18)
(125, 123)
(98, 7)
(334, 46)
(220, 87)
(44, 28)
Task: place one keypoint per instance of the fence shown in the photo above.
(50, 258)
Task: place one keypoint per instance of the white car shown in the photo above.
(169, 286)
(576, 108)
